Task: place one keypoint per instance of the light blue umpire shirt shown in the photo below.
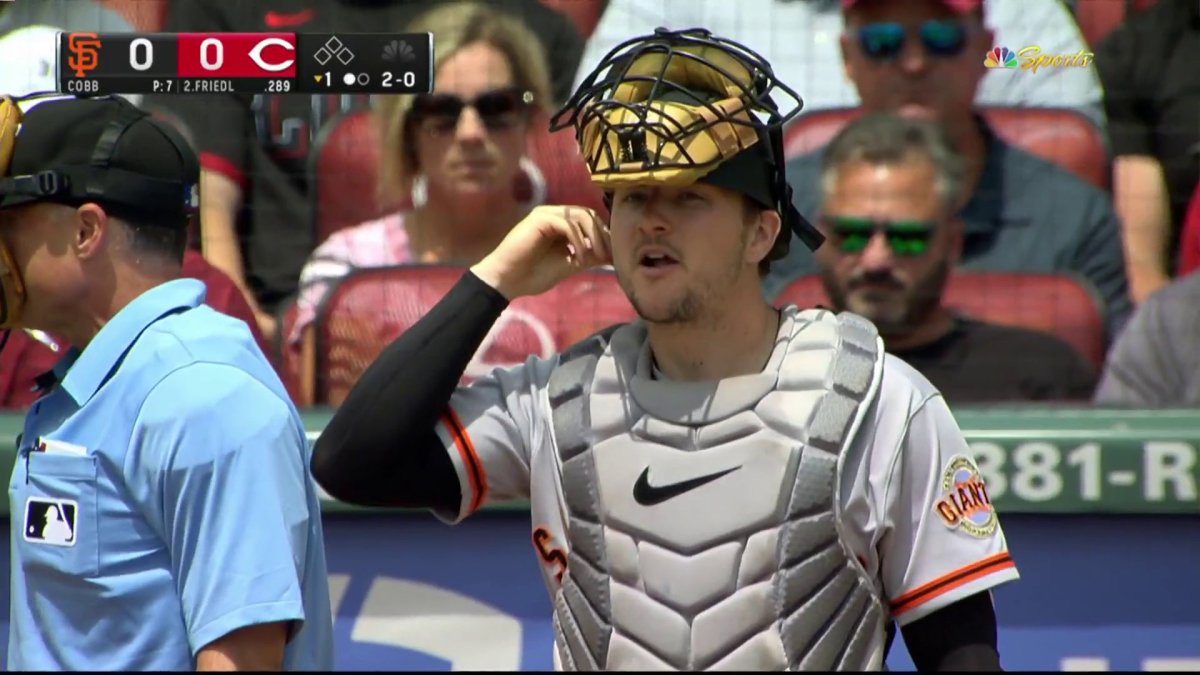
(161, 499)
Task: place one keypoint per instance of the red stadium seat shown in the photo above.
(1189, 244)
(1064, 137)
(294, 364)
(22, 360)
(343, 166)
(585, 14)
(1055, 304)
(225, 297)
(371, 307)
(567, 178)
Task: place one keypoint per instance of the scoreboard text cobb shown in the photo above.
(96, 64)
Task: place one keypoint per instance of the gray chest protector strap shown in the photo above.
(824, 612)
(582, 623)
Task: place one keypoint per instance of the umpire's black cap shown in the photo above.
(103, 150)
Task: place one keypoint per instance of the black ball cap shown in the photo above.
(150, 168)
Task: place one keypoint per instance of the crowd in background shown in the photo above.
(1019, 229)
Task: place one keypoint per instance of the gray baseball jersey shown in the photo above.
(770, 522)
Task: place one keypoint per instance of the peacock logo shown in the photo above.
(398, 50)
(1000, 57)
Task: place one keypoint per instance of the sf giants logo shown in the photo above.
(548, 552)
(85, 53)
(964, 503)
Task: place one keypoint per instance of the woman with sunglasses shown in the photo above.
(455, 156)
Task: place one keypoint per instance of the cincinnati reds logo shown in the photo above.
(85, 54)
(256, 54)
(507, 335)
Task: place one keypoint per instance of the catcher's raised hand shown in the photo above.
(549, 245)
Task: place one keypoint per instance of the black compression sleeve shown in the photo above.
(960, 637)
(381, 448)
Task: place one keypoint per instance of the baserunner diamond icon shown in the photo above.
(333, 48)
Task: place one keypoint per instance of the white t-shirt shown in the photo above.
(801, 41)
(915, 510)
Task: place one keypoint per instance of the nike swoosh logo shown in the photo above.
(648, 495)
(282, 20)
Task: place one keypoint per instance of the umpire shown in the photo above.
(162, 514)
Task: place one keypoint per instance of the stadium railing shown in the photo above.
(1034, 460)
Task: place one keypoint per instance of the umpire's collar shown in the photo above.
(82, 373)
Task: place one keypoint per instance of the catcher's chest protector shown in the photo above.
(704, 522)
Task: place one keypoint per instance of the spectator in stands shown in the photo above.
(1156, 362)
(28, 39)
(1149, 69)
(1025, 214)
(892, 187)
(256, 214)
(458, 151)
(800, 39)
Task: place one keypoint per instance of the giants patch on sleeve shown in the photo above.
(964, 503)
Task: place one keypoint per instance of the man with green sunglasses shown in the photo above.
(924, 59)
(892, 190)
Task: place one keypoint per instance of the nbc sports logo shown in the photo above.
(1032, 59)
(1000, 57)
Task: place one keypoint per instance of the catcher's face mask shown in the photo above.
(679, 107)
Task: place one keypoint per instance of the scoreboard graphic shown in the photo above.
(96, 64)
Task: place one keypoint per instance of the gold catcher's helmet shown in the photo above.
(678, 107)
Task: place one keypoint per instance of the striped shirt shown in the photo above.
(375, 243)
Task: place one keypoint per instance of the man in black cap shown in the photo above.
(162, 515)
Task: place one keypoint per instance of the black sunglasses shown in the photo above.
(885, 40)
(499, 108)
(851, 234)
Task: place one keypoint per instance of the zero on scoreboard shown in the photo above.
(244, 63)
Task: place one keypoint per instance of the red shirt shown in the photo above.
(1189, 246)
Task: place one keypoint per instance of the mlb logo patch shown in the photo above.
(50, 521)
